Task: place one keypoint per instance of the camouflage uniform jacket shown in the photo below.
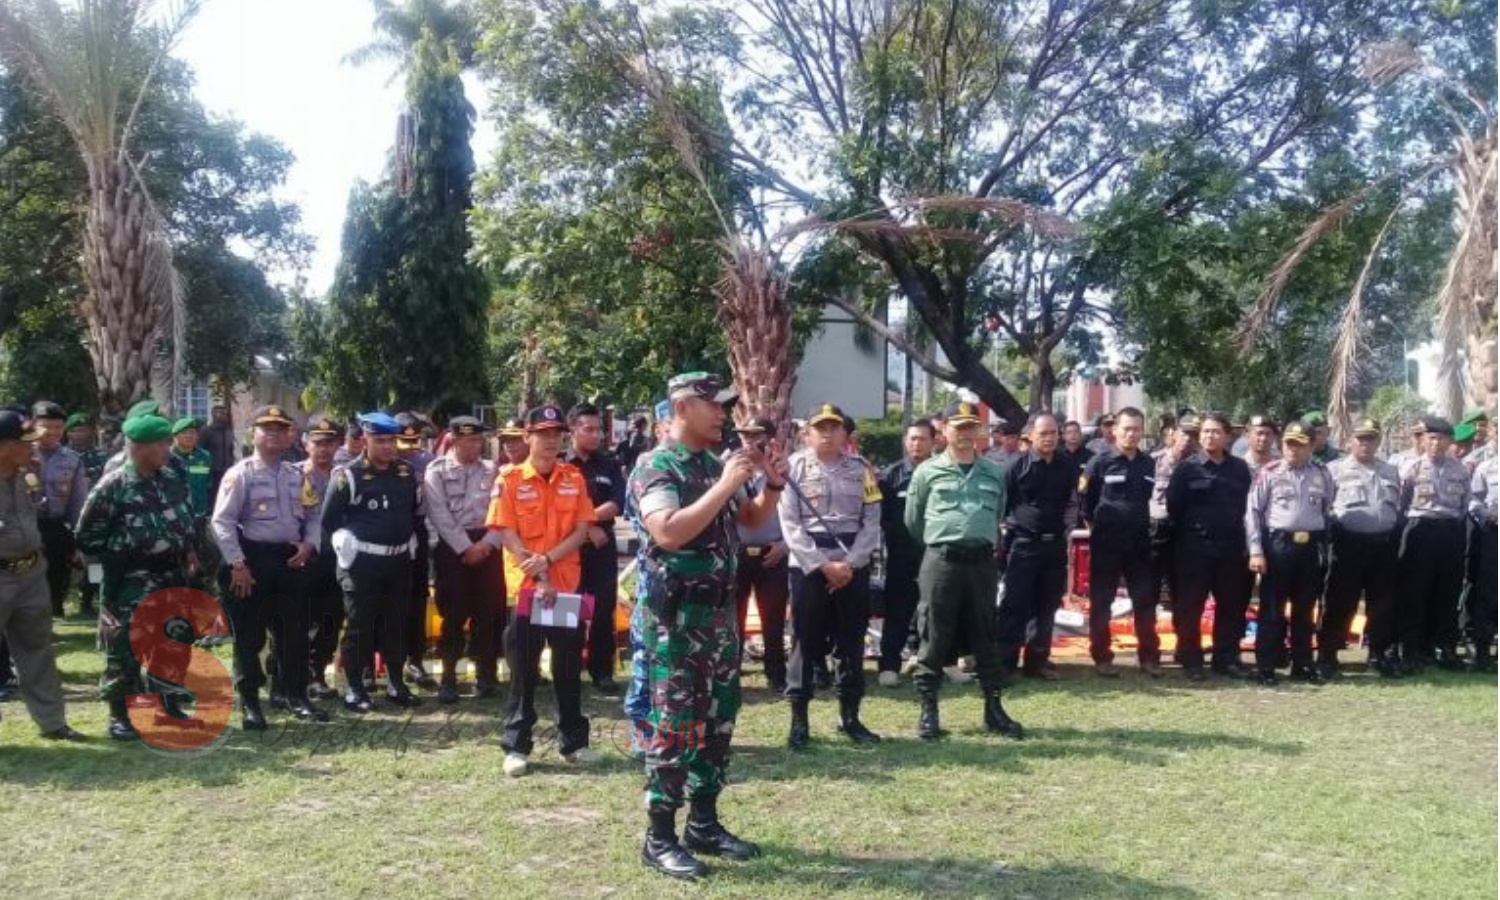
(133, 522)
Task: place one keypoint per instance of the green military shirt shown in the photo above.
(130, 520)
(946, 505)
(198, 465)
(673, 477)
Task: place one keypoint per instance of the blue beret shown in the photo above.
(664, 411)
(379, 423)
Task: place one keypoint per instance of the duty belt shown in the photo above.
(382, 549)
(20, 565)
(824, 541)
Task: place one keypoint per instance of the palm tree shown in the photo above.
(399, 27)
(92, 64)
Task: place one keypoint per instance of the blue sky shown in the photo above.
(277, 65)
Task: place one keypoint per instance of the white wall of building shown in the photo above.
(835, 370)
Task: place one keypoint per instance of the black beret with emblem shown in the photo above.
(1437, 425)
(545, 417)
(462, 426)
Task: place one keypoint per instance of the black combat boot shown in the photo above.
(798, 736)
(254, 716)
(1448, 659)
(996, 719)
(1482, 661)
(399, 694)
(704, 833)
(297, 704)
(120, 728)
(927, 719)
(850, 724)
(448, 689)
(662, 852)
(357, 698)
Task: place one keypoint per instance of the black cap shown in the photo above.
(1007, 428)
(1261, 422)
(962, 413)
(1437, 425)
(410, 432)
(13, 427)
(272, 415)
(324, 427)
(545, 417)
(462, 426)
(1103, 419)
(828, 412)
(46, 409)
(512, 429)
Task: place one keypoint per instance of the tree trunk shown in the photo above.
(1043, 383)
(127, 292)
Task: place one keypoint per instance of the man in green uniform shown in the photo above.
(953, 509)
(689, 503)
(198, 464)
(139, 522)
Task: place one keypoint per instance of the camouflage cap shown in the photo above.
(703, 385)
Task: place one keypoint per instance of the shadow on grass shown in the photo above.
(817, 873)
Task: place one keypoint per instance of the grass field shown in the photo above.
(1130, 788)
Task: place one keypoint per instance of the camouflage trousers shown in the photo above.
(693, 668)
(120, 594)
(638, 688)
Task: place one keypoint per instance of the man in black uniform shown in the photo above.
(1041, 507)
(1206, 501)
(1073, 447)
(369, 522)
(409, 447)
(325, 600)
(903, 553)
(600, 559)
(1115, 501)
(64, 486)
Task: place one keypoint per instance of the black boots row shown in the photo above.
(995, 718)
(704, 834)
(849, 724)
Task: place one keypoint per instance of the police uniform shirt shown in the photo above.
(847, 497)
(1480, 455)
(19, 496)
(1435, 488)
(458, 500)
(1484, 492)
(314, 483)
(64, 484)
(1366, 498)
(1115, 492)
(1289, 498)
(1207, 499)
(262, 503)
(606, 481)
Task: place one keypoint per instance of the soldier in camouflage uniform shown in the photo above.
(690, 502)
(139, 522)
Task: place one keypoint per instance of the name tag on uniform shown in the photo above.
(96, 573)
(1114, 479)
(900, 494)
(603, 479)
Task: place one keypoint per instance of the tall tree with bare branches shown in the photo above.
(93, 63)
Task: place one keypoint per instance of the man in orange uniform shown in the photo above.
(542, 510)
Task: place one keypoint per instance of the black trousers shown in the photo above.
(58, 547)
(1432, 577)
(772, 588)
(523, 654)
(7, 668)
(600, 577)
(1036, 574)
(1201, 569)
(468, 595)
(377, 591)
(1113, 558)
(819, 616)
(416, 610)
(1294, 576)
(277, 603)
(1163, 560)
(1359, 565)
(325, 606)
(903, 562)
(1481, 596)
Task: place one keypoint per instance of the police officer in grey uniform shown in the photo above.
(831, 523)
(1286, 529)
(1484, 495)
(1366, 511)
(1435, 499)
(467, 561)
(25, 616)
(65, 486)
(269, 540)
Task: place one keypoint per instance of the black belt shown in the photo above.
(1298, 537)
(754, 550)
(20, 565)
(1045, 537)
(1372, 537)
(964, 553)
(824, 541)
(265, 546)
